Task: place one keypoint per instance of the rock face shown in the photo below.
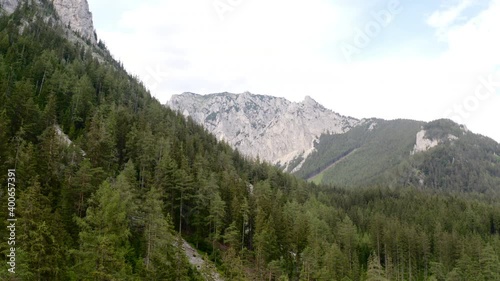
(273, 129)
(423, 143)
(9, 6)
(77, 15)
(72, 13)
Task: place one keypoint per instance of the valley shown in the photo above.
(111, 184)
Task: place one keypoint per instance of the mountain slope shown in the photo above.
(440, 155)
(108, 182)
(273, 129)
(74, 14)
(372, 149)
(317, 144)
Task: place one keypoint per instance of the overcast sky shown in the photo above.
(416, 59)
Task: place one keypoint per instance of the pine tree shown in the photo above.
(490, 264)
(83, 100)
(41, 237)
(51, 154)
(348, 241)
(245, 214)
(82, 185)
(159, 256)
(437, 271)
(99, 145)
(233, 265)
(335, 264)
(4, 139)
(50, 111)
(375, 270)
(216, 217)
(104, 236)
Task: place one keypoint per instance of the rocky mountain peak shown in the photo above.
(9, 6)
(271, 128)
(74, 14)
(308, 101)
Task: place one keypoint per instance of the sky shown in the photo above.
(412, 59)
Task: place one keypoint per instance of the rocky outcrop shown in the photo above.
(9, 6)
(271, 128)
(423, 143)
(74, 14)
(206, 268)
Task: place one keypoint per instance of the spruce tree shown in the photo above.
(159, 260)
(375, 270)
(104, 236)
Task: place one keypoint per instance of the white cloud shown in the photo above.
(260, 46)
(278, 48)
(443, 18)
(476, 41)
(473, 50)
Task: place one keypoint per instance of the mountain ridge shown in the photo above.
(351, 152)
(247, 121)
(73, 14)
(150, 178)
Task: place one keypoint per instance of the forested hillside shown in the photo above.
(109, 181)
(382, 152)
(369, 150)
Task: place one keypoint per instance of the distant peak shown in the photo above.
(310, 101)
(73, 14)
(188, 94)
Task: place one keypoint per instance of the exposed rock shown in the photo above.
(62, 136)
(72, 13)
(77, 15)
(9, 6)
(271, 128)
(198, 262)
(423, 144)
(372, 126)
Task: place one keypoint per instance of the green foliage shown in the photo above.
(375, 271)
(381, 154)
(360, 156)
(112, 177)
(441, 128)
(467, 164)
(41, 238)
(104, 235)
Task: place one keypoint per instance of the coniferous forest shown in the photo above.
(109, 182)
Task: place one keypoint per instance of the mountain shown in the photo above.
(320, 145)
(102, 182)
(273, 129)
(439, 155)
(74, 14)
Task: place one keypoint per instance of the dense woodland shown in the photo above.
(371, 149)
(380, 152)
(114, 201)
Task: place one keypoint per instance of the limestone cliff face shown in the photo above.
(422, 143)
(271, 128)
(77, 15)
(9, 6)
(72, 13)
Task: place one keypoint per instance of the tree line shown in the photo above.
(110, 182)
